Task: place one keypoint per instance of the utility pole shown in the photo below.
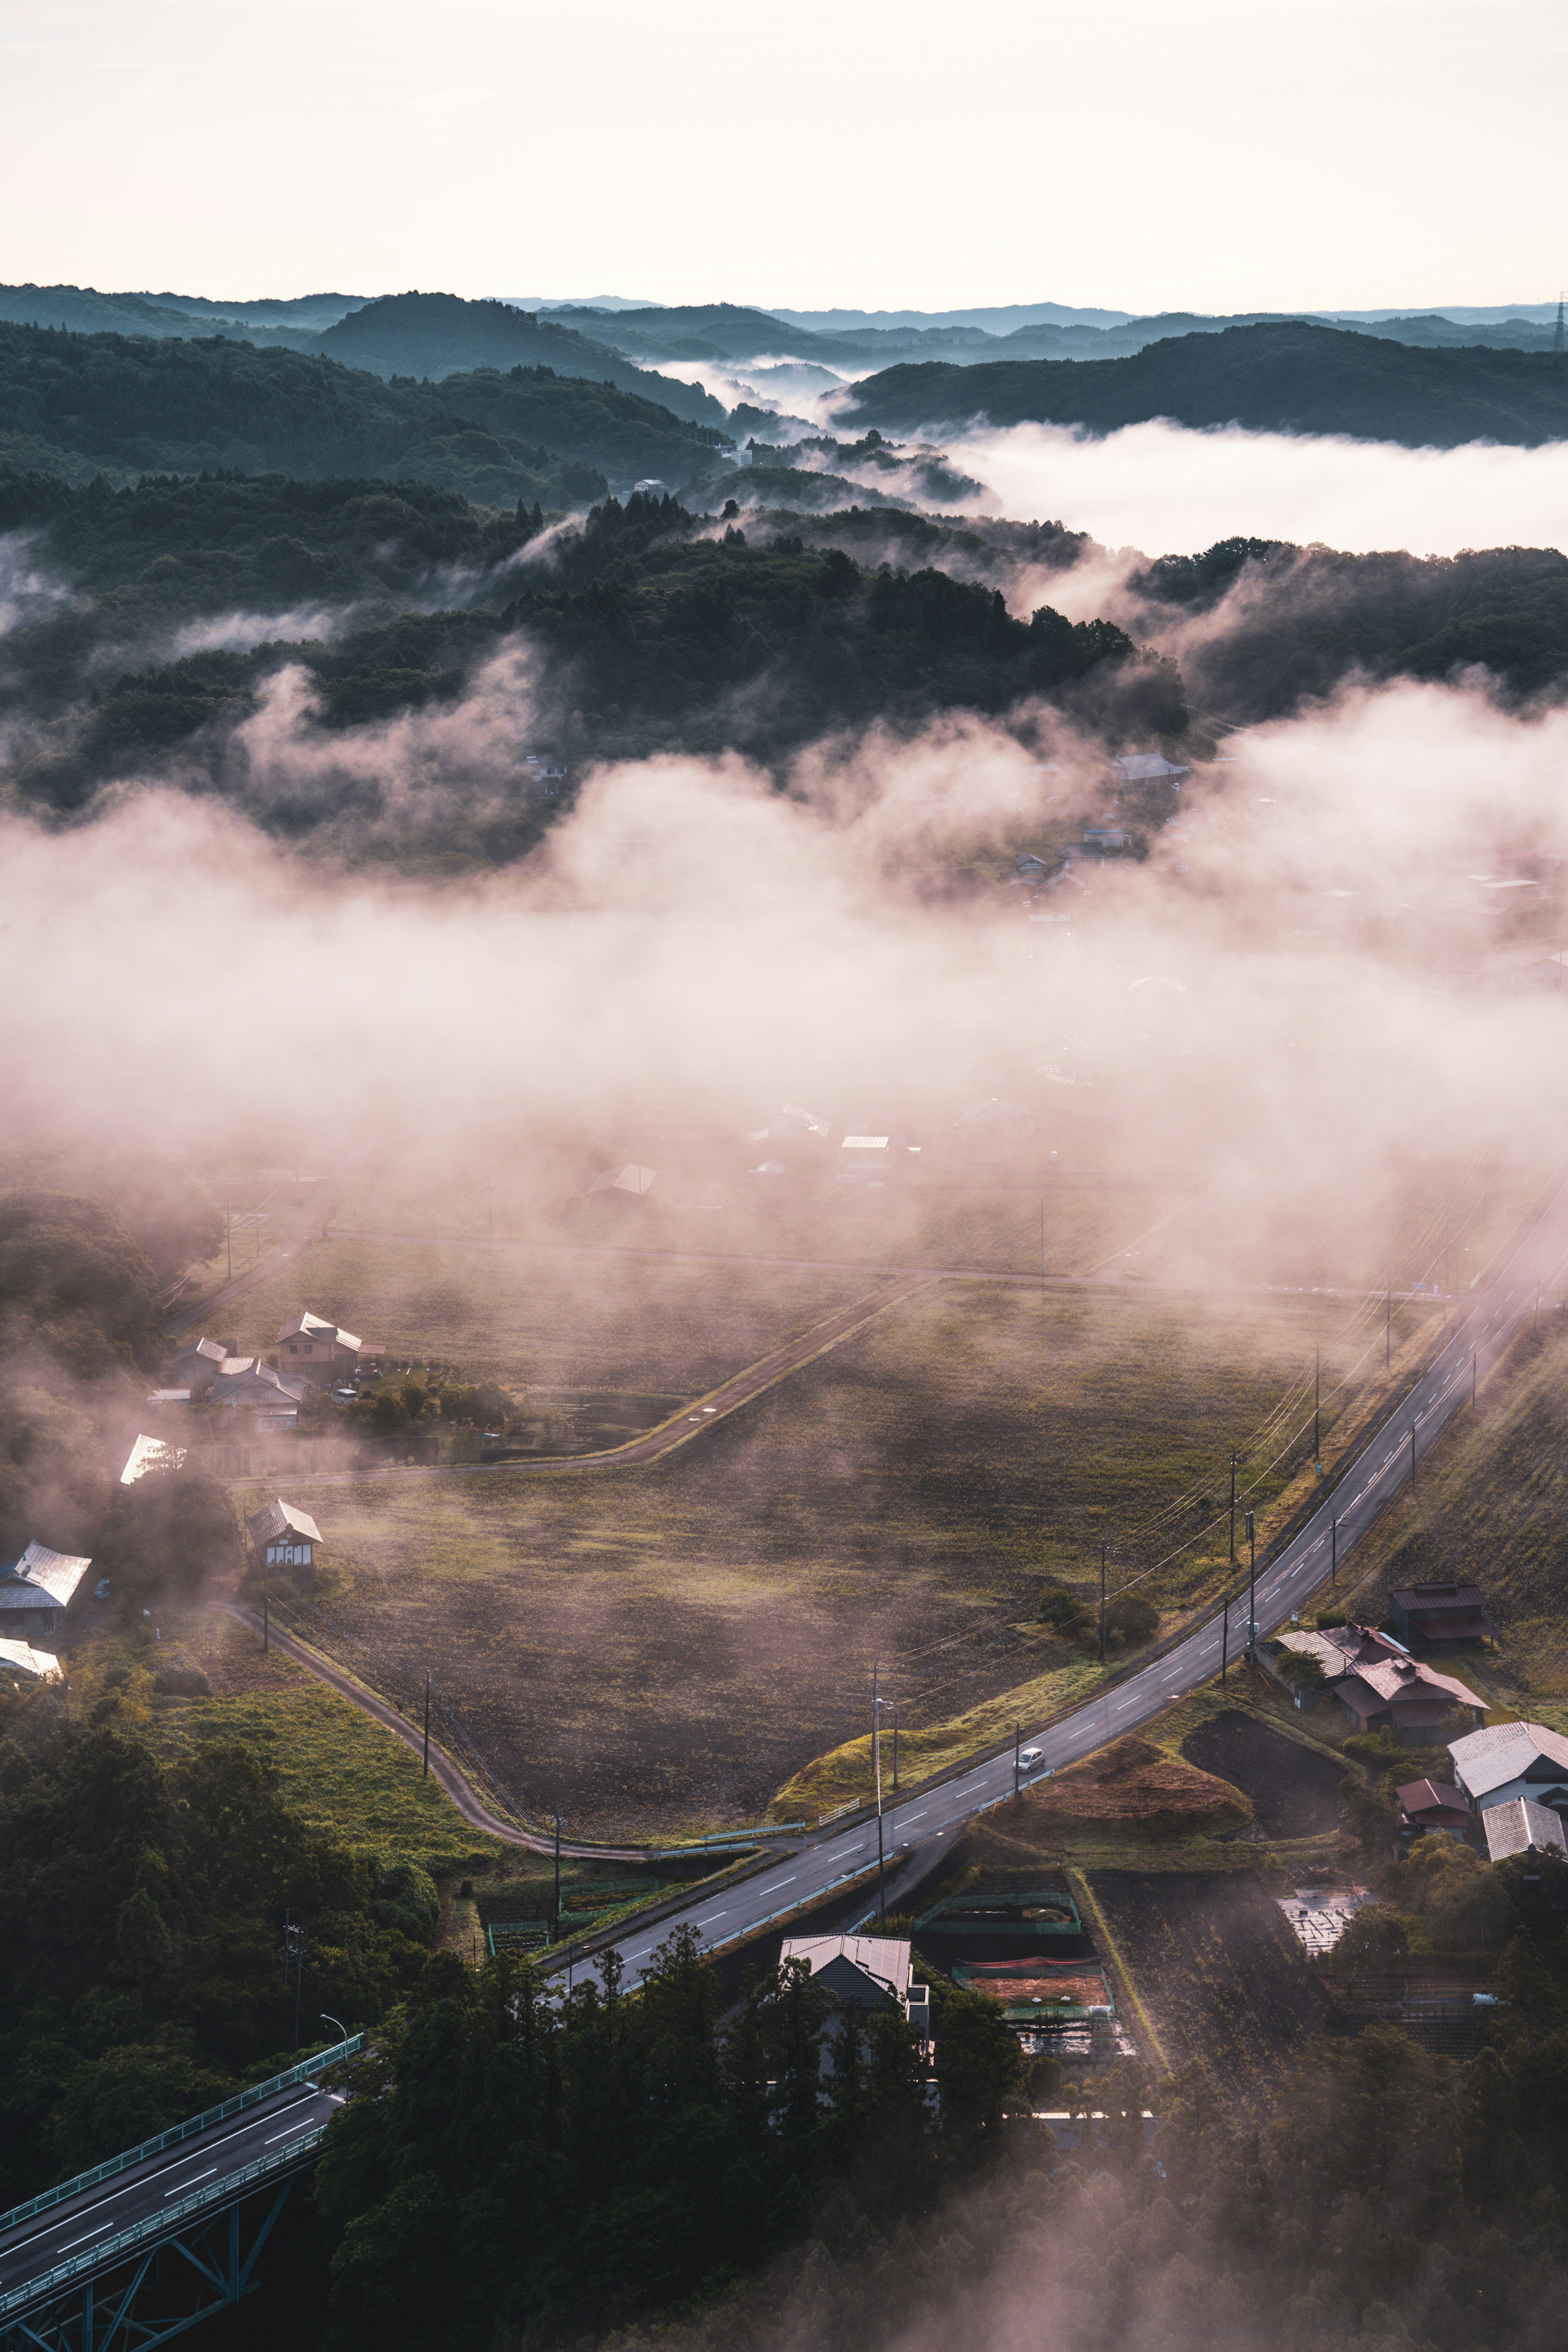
(1252, 1590)
(1334, 1553)
(1412, 1458)
(1317, 1405)
(294, 1949)
(228, 1232)
(265, 1623)
(425, 1775)
(1103, 1549)
(558, 1878)
(876, 1768)
(1018, 1743)
(1233, 1462)
(895, 1751)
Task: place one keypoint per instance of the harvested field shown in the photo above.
(1130, 1789)
(1223, 1981)
(669, 1645)
(631, 1324)
(1294, 1790)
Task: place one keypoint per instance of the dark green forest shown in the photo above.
(1307, 619)
(80, 405)
(1284, 378)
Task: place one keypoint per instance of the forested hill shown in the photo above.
(438, 335)
(1285, 378)
(76, 405)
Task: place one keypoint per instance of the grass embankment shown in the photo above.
(1491, 1507)
(339, 1770)
(665, 1648)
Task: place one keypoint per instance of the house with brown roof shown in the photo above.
(1380, 1685)
(1433, 1805)
(1449, 1614)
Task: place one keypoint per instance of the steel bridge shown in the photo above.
(143, 2246)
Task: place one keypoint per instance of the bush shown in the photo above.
(182, 1682)
(1375, 1940)
(1130, 1618)
(1300, 1669)
(1067, 1613)
(404, 1897)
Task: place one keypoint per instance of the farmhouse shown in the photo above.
(197, 1365)
(1520, 1827)
(1513, 1760)
(628, 1183)
(865, 1973)
(36, 1591)
(321, 1354)
(1451, 1615)
(281, 1537)
(1147, 768)
(1378, 1683)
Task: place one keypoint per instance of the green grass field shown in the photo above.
(667, 1647)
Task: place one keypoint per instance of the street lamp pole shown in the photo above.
(1103, 1549)
(1233, 1462)
(876, 1767)
(1252, 1589)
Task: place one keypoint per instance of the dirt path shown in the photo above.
(441, 1768)
(703, 1412)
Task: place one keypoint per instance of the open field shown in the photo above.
(1223, 1981)
(629, 1324)
(667, 1646)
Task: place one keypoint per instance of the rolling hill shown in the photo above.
(1281, 378)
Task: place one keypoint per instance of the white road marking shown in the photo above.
(211, 2170)
(82, 2242)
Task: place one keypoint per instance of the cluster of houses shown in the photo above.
(1510, 1787)
(311, 1354)
(1374, 1676)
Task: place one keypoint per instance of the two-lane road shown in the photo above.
(1377, 1474)
(33, 2246)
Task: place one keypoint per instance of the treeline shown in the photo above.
(141, 1910)
(650, 632)
(563, 2162)
(76, 405)
(1304, 619)
(1275, 378)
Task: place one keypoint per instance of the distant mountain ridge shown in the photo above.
(1285, 377)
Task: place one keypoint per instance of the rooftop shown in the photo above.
(21, 1658)
(1505, 1751)
(278, 1519)
(149, 1454)
(1515, 1827)
(1434, 1797)
(41, 1571)
(884, 1958)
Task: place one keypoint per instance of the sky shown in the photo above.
(1216, 154)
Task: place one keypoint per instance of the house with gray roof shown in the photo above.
(282, 1536)
(1518, 1826)
(36, 1591)
(1513, 1760)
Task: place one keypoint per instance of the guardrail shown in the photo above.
(159, 2225)
(334, 2056)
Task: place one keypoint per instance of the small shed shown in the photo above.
(628, 1183)
(1433, 1805)
(282, 1536)
(19, 1662)
(1452, 1614)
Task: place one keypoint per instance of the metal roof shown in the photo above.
(1505, 1751)
(149, 1454)
(885, 1958)
(315, 1326)
(57, 1573)
(1419, 1797)
(21, 1658)
(278, 1519)
(1516, 1826)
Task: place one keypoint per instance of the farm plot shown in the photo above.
(1294, 1790)
(1223, 1981)
(665, 1646)
(626, 1324)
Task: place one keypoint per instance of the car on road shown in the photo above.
(1029, 1757)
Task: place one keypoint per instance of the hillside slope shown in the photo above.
(75, 405)
(1286, 378)
(439, 335)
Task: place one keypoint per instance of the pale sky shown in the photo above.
(1213, 155)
